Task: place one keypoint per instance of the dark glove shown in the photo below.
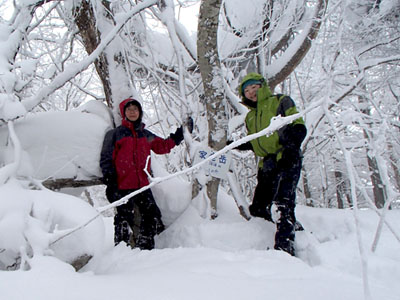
(177, 136)
(110, 180)
(242, 147)
(293, 135)
(189, 124)
(290, 157)
(269, 163)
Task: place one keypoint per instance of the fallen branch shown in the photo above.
(57, 184)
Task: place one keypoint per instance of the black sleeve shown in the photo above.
(285, 103)
(106, 155)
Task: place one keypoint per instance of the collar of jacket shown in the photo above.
(134, 127)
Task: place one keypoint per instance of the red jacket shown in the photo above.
(126, 149)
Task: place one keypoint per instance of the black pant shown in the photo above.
(137, 221)
(277, 185)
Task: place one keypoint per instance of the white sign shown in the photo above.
(218, 166)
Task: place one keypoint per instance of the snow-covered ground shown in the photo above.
(196, 258)
(226, 258)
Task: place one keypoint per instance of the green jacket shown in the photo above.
(259, 117)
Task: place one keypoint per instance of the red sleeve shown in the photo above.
(159, 145)
(162, 146)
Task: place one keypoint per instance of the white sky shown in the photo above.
(188, 17)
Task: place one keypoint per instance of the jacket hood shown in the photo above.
(128, 101)
(252, 76)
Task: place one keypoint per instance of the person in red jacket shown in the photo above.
(123, 159)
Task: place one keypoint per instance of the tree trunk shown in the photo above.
(339, 189)
(86, 22)
(307, 190)
(395, 167)
(376, 180)
(109, 62)
(210, 69)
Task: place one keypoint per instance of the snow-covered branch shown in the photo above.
(234, 100)
(373, 62)
(180, 30)
(11, 169)
(370, 47)
(77, 68)
(297, 49)
(351, 174)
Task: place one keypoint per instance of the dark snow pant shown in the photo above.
(138, 221)
(277, 185)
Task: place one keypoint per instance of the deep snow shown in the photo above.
(196, 258)
(224, 259)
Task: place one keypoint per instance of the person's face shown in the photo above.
(132, 113)
(250, 92)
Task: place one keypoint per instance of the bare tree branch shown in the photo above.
(297, 49)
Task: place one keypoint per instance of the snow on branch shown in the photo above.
(373, 62)
(180, 30)
(233, 99)
(11, 169)
(367, 48)
(352, 177)
(77, 68)
(286, 63)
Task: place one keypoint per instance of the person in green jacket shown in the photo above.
(281, 159)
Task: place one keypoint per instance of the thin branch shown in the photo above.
(77, 68)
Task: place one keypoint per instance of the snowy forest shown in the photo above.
(66, 66)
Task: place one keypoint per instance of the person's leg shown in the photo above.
(123, 218)
(121, 228)
(264, 192)
(285, 202)
(150, 220)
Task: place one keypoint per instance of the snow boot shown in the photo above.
(121, 232)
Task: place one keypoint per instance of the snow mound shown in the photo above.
(58, 144)
(31, 221)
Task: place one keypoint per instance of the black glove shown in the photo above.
(269, 163)
(110, 180)
(290, 157)
(177, 136)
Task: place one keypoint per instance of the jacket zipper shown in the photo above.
(135, 140)
(258, 139)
